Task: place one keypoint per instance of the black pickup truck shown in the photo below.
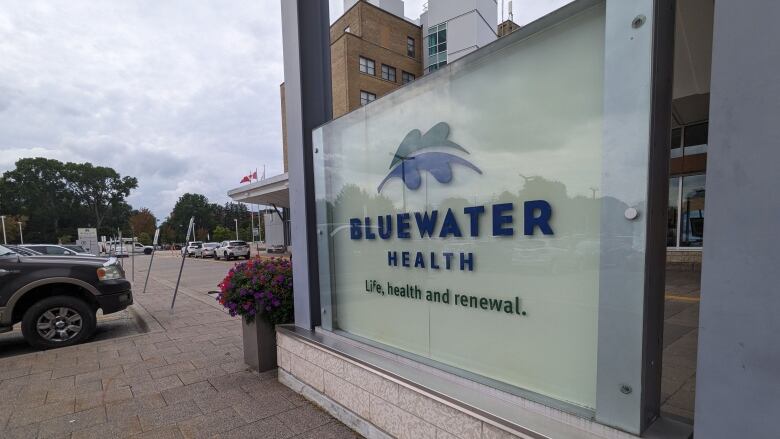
(56, 297)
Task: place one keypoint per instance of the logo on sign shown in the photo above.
(410, 159)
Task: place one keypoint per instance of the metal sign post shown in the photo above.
(121, 248)
(183, 257)
(154, 250)
(132, 253)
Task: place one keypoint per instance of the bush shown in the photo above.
(222, 234)
(144, 238)
(259, 287)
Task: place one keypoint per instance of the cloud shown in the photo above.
(182, 95)
(525, 11)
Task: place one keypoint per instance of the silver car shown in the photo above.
(228, 250)
(206, 250)
(54, 249)
(193, 247)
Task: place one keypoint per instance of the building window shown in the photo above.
(388, 73)
(686, 211)
(367, 66)
(689, 140)
(410, 47)
(406, 77)
(366, 97)
(437, 47)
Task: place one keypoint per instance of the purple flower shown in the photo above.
(247, 305)
(276, 302)
(252, 312)
(258, 296)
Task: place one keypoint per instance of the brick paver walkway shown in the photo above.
(185, 378)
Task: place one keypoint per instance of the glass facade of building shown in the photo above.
(685, 229)
(437, 47)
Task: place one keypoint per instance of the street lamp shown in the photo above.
(2, 218)
(236, 220)
(21, 237)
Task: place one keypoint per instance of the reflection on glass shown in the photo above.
(675, 139)
(692, 233)
(427, 197)
(671, 212)
(696, 134)
(695, 138)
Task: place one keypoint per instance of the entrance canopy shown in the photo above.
(271, 191)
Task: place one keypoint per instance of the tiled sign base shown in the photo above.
(379, 407)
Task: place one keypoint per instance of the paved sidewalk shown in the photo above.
(681, 335)
(185, 378)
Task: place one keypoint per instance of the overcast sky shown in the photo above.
(183, 95)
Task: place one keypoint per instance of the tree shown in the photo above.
(12, 228)
(35, 188)
(222, 234)
(143, 221)
(189, 206)
(201, 234)
(167, 233)
(57, 198)
(99, 188)
(144, 238)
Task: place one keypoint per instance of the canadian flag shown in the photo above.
(251, 176)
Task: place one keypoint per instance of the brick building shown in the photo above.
(373, 52)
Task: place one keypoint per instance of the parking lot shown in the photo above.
(159, 374)
(199, 275)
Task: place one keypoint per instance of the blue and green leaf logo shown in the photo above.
(408, 160)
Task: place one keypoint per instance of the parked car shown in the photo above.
(23, 251)
(75, 248)
(232, 250)
(56, 297)
(206, 250)
(128, 246)
(54, 249)
(192, 247)
(275, 248)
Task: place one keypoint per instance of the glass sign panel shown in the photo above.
(462, 213)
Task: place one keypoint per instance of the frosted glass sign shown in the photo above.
(462, 213)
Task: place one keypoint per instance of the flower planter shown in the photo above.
(259, 344)
(260, 291)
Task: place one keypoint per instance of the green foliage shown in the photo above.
(167, 234)
(212, 219)
(222, 234)
(99, 188)
(143, 221)
(57, 198)
(144, 238)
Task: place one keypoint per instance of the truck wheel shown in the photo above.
(147, 251)
(58, 321)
